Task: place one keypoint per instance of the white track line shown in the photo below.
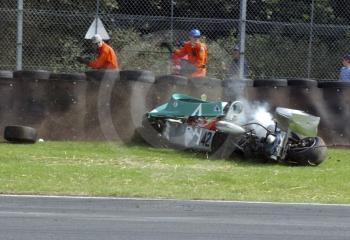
(167, 199)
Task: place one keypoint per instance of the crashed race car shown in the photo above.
(224, 129)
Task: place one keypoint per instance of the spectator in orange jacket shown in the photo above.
(197, 53)
(106, 57)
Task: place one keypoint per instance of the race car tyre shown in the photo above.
(20, 134)
(172, 79)
(137, 75)
(31, 75)
(6, 74)
(223, 146)
(99, 75)
(312, 154)
(148, 134)
(68, 76)
(302, 82)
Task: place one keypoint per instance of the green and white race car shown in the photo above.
(226, 128)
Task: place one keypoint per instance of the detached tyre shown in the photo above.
(20, 134)
(311, 152)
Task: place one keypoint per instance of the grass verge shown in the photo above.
(111, 169)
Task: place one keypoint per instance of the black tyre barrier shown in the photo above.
(137, 75)
(68, 76)
(336, 112)
(301, 82)
(171, 79)
(98, 82)
(66, 107)
(270, 83)
(53, 106)
(211, 87)
(8, 101)
(31, 75)
(4, 74)
(305, 95)
(62, 92)
(20, 134)
(272, 91)
(100, 75)
(237, 89)
(131, 98)
(165, 86)
(36, 102)
(333, 84)
(205, 81)
(31, 103)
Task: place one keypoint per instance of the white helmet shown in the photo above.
(96, 38)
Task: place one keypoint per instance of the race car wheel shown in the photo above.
(150, 134)
(311, 152)
(223, 146)
(20, 134)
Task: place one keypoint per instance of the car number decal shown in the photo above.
(206, 139)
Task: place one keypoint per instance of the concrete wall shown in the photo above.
(110, 105)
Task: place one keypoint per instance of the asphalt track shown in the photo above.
(35, 218)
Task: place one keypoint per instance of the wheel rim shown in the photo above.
(310, 143)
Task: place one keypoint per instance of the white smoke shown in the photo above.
(263, 117)
(256, 112)
(253, 112)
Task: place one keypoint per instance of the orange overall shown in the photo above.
(197, 55)
(106, 58)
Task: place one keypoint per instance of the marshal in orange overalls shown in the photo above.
(197, 55)
(106, 58)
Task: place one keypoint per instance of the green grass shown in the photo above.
(110, 169)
